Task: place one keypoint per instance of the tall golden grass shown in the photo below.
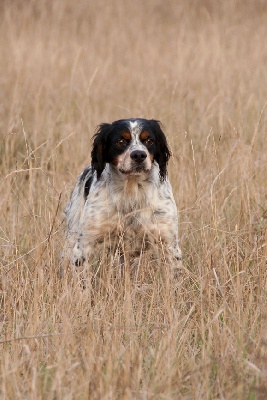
(200, 68)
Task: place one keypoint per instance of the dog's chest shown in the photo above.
(125, 208)
(134, 206)
(136, 216)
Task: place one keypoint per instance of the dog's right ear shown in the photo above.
(99, 152)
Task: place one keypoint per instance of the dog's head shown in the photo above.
(130, 145)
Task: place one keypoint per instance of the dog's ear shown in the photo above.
(98, 154)
(163, 153)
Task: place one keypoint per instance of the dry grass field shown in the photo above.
(200, 68)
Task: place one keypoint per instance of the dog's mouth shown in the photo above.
(138, 170)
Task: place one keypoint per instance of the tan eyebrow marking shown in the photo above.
(144, 135)
(126, 135)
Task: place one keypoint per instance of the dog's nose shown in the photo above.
(138, 155)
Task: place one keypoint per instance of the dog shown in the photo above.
(124, 199)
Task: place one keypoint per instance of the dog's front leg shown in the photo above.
(176, 251)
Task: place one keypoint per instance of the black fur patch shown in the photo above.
(87, 186)
(86, 180)
(162, 152)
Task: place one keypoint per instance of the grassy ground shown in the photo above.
(200, 68)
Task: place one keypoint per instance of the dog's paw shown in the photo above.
(78, 258)
(177, 253)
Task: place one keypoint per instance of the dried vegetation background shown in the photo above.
(200, 68)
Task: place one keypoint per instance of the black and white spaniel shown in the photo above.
(124, 198)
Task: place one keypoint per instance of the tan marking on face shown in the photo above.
(115, 161)
(144, 135)
(126, 135)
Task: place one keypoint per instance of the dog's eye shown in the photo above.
(149, 142)
(121, 142)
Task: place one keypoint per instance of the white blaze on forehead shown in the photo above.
(135, 128)
(133, 124)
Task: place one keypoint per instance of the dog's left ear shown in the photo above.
(163, 153)
(98, 154)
